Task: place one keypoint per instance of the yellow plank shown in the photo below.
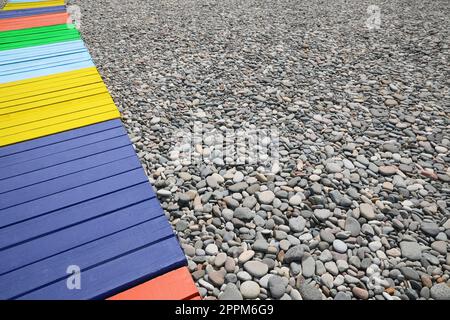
(70, 98)
(39, 89)
(28, 116)
(5, 87)
(59, 127)
(51, 121)
(29, 5)
(55, 96)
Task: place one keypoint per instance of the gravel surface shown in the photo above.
(358, 205)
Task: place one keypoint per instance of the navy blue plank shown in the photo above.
(71, 197)
(87, 256)
(67, 239)
(66, 217)
(118, 275)
(56, 142)
(65, 170)
(30, 12)
(62, 157)
(68, 182)
(39, 152)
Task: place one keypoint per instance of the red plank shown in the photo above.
(174, 285)
(40, 20)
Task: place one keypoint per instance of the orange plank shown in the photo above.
(174, 285)
(40, 20)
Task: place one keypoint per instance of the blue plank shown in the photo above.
(19, 67)
(47, 71)
(67, 170)
(120, 274)
(69, 198)
(66, 217)
(62, 157)
(31, 12)
(61, 146)
(57, 142)
(29, 52)
(72, 237)
(68, 182)
(102, 251)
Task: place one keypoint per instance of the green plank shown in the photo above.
(37, 36)
(38, 42)
(21, 32)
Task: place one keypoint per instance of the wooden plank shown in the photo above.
(19, 37)
(57, 143)
(69, 35)
(174, 285)
(45, 72)
(64, 125)
(29, 5)
(35, 151)
(69, 181)
(65, 199)
(77, 235)
(116, 251)
(30, 12)
(120, 274)
(63, 157)
(41, 20)
(33, 228)
(37, 31)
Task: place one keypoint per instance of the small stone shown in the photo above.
(220, 259)
(294, 254)
(411, 250)
(246, 256)
(230, 292)
(360, 293)
(211, 249)
(440, 291)
(309, 292)
(387, 170)
(308, 267)
(216, 278)
(339, 246)
(367, 211)
(243, 213)
(256, 268)
(352, 225)
(440, 246)
(266, 197)
(322, 214)
(297, 224)
(276, 286)
(295, 200)
(430, 228)
(250, 290)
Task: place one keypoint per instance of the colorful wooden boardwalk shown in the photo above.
(72, 190)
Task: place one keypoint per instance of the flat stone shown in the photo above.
(266, 197)
(297, 224)
(340, 246)
(294, 254)
(440, 246)
(440, 291)
(243, 213)
(308, 267)
(276, 286)
(220, 259)
(322, 214)
(387, 170)
(309, 292)
(246, 256)
(250, 290)
(211, 249)
(230, 292)
(367, 211)
(256, 268)
(430, 228)
(295, 200)
(352, 225)
(360, 293)
(411, 250)
(216, 277)
(260, 245)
